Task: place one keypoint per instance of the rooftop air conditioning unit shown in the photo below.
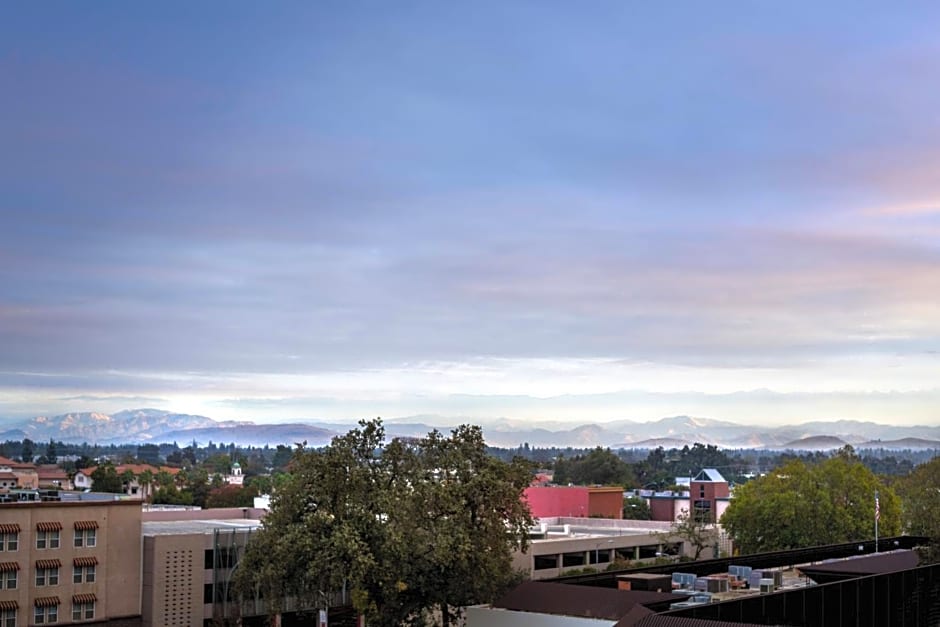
(766, 586)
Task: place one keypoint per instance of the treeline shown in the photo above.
(660, 468)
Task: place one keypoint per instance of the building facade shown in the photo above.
(70, 562)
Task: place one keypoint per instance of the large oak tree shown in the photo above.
(405, 525)
(799, 505)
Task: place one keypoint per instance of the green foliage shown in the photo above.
(406, 526)
(636, 508)
(230, 496)
(27, 451)
(105, 479)
(799, 505)
(600, 466)
(700, 534)
(920, 503)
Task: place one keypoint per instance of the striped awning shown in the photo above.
(49, 526)
(48, 563)
(8, 566)
(9, 605)
(46, 601)
(9, 528)
(82, 525)
(85, 561)
(84, 598)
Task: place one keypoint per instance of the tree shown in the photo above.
(920, 503)
(27, 451)
(105, 479)
(230, 496)
(405, 525)
(698, 533)
(799, 506)
(636, 508)
(600, 466)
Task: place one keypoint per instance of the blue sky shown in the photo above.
(530, 210)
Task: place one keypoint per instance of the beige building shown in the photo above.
(188, 566)
(562, 545)
(65, 562)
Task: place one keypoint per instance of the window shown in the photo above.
(8, 580)
(83, 611)
(85, 537)
(9, 542)
(47, 539)
(47, 576)
(83, 574)
(8, 618)
(48, 614)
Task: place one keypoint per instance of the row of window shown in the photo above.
(50, 614)
(49, 576)
(50, 539)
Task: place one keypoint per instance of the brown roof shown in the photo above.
(587, 601)
(859, 566)
(659, 620)
(7, 475)
(47, 471)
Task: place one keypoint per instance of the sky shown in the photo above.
(529, 210)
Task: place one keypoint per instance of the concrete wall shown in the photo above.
(605, 502)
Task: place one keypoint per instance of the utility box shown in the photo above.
(650, 582)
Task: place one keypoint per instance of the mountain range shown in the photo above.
(155, 425)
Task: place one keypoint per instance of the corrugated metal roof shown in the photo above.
(586, 601)
(858, 566)
(658, 620)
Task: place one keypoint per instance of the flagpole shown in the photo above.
(877, 516)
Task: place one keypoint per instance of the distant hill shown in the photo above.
(254, 435)
(156, 425)
(815, 443)
(918, 444)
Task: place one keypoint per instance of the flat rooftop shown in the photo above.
(185, 527)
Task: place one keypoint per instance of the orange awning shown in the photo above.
(48, 563)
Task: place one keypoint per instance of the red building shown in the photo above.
(552, 501)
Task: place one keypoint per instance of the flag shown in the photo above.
(877, 508)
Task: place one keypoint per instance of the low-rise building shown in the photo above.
(70, 561)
